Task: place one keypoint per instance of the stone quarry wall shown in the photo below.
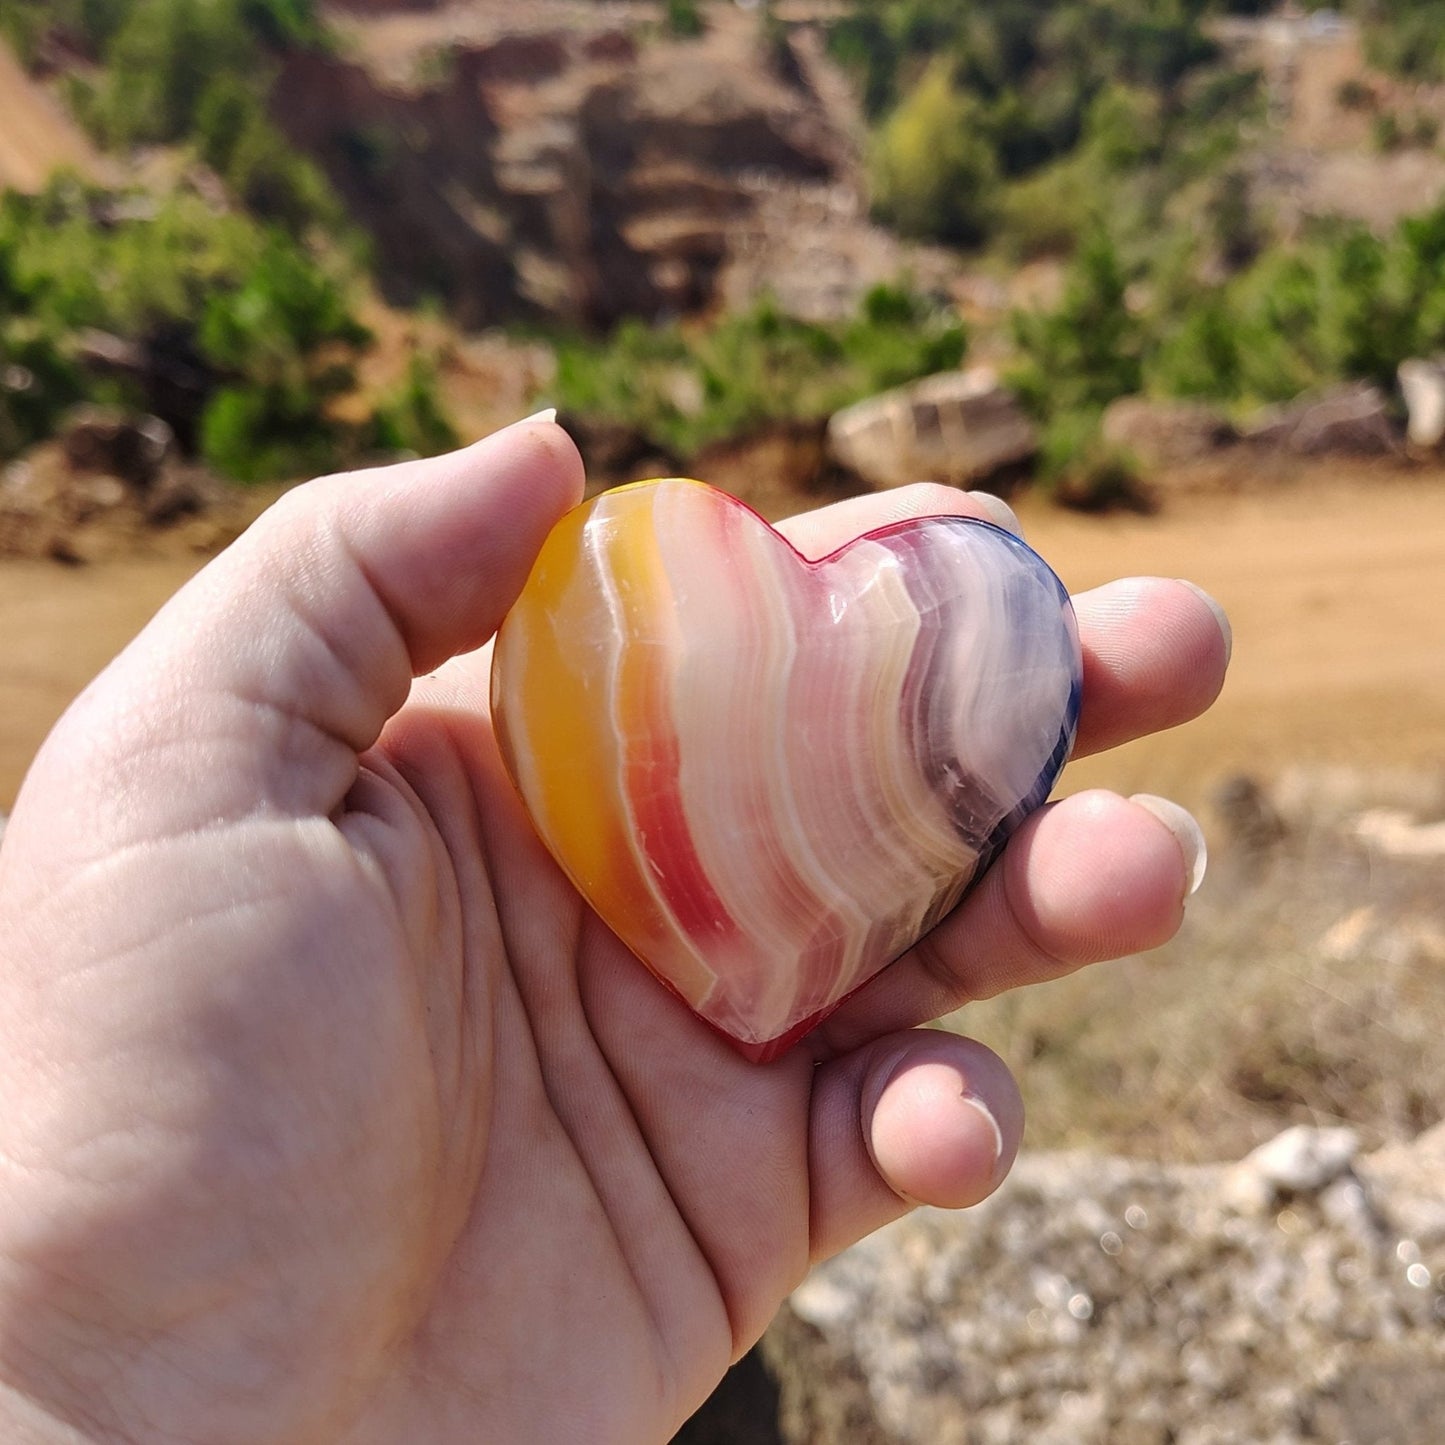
(577, 175)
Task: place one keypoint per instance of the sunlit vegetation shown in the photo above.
(685, 387)
(996, 121)
(266, 324)
(1345, 304)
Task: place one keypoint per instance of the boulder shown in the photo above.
(113, 443)
(959, 427)
(1348, 420)
(109, 482)
(1165, 434)
(1097, 1300)
(1423, 385)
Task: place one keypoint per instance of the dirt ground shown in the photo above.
(1336, 591)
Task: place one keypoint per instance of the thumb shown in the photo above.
(260, 682)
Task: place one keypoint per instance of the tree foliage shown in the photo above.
(1035, 108)
(935, 175)
(684, 389)
(1345, 304)
(272, 321)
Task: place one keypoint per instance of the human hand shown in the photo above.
(328, 1112)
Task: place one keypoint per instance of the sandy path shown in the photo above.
(1337, 596)
(58, 627)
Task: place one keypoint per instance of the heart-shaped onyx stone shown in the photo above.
(769, 775)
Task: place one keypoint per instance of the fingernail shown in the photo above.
(995, 1132)
(548, 413)
(1219, 615)
(1186, 833)
(999, 512)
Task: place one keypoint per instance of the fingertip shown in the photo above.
(943, 1120)
(1155, 655)
(1221, 618)
(998, 511)
(1095, 876)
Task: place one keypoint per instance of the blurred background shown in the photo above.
(1171, 276)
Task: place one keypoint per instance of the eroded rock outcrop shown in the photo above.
(576, 174)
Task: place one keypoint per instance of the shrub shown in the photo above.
(1080, 469)
(1408, 38)
(684, 389)
(414, 419)
(269, 318)
(935, 175)
(200, 70)
(1355, 94)
(1089, 350)
(683, 19)
(1385, 133)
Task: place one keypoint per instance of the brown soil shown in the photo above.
(1336, 591)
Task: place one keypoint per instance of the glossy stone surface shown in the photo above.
(768, 775)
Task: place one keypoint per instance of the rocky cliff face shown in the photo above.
(572, 174)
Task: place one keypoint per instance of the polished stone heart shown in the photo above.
(769, 775)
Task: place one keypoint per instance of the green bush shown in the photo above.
(1081, 470)
(271, 319)
(684, 19)
(1385, 132)
(160, 63)
(1079, 357)
(1344, 304)
(686, 388)
(413, 419)
(175, 71)
(38, 384)
(935, 174)
(1407, 37)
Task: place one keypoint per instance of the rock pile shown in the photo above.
(106, 481)
(1298, 1295)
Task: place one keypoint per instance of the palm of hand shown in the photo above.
(380, 1066)
(352, 1121)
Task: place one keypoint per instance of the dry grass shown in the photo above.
(1308, 986)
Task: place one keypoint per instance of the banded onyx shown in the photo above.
(769, 775)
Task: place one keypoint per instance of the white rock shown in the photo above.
(1423, 385)
(957, 427)
(1303, 1160)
